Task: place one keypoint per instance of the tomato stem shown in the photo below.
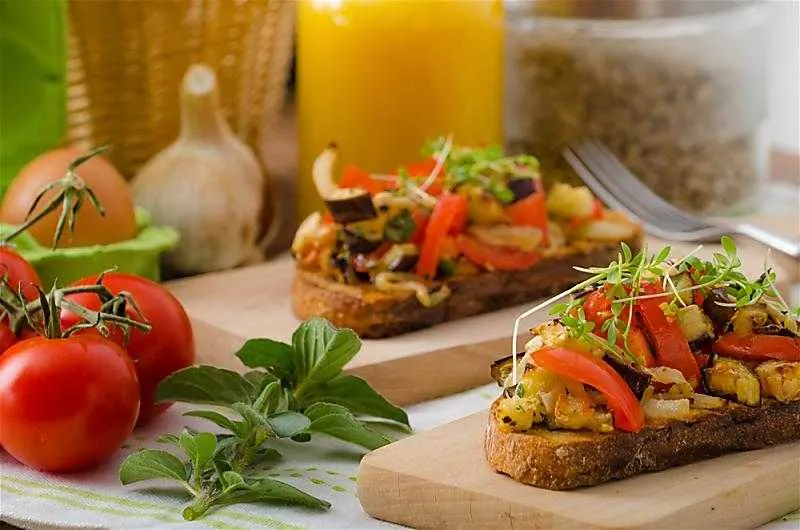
(72, 193)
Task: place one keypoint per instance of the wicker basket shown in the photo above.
(127, 58)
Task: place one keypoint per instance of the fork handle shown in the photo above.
(782, 244)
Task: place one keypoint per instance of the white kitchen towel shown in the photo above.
(325, 468)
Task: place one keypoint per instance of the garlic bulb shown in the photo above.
(208, 184)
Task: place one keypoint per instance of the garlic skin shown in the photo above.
(208, 184)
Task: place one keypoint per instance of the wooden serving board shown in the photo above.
(230, 307)
(440, 479)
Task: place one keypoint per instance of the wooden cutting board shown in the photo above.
(230, 307)
(440, 479)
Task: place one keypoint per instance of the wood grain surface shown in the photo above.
(440, 479)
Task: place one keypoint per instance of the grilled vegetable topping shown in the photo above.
(358, 244)
(732, 378)
(638, 380)
(399, 228)
(522, 187)
(401, 258)
(695, 325)
(758, 347)
(718, 306)
(350, 205)
(780, 380)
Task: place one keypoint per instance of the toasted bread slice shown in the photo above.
(563, 460)
(376, 314)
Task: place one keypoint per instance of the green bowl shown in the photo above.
(65, 265)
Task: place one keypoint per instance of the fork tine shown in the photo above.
(620, 179)
(598, 182)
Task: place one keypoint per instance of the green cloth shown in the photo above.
(33, 81)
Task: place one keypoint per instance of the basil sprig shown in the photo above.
(293, 391)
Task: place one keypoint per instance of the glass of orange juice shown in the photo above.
(380, 77)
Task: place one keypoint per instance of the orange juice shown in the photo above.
(380, 77)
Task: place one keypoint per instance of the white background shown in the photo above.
(784, 122)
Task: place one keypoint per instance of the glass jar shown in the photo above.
(380, 77)
(677, 90)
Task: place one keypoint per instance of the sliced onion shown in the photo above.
(322, 172)
(666, 409)
(666, 375)
(525, 238)
(676, 385)
(703, 401)
(308, 229)
(402, 282)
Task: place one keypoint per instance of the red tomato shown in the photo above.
(597, 308)
(669, 343)
(493, 257)
(598, 374)
(449, 208)
(19, 273)
(7, 337)
(355, 177)
(67, 404)
(530, 211)
(165, 349)
(758, 347)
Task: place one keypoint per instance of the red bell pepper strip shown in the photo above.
(495, 257)
(530, 211)
(447, 210)
(758, 347)
(597, 308)
(670, 345)
(420, 219)
(355, 177)
(598, 374)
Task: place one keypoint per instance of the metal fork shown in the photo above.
(610, 180)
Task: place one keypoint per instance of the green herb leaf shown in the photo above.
(219, 419)
(199, 447)
(231, 479)
(274, 356)
(206, 385)
(400, 227)
(337, 421)
(272, 491)
(359, 398)
(288, 424)
(148, 464)
(321, 351)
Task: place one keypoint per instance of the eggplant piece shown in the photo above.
(694, 324)
(358, 244)
(720, 315)
(638, 380)
(521, 188)
(732, 379)
(350, 205)
(401, 258)
(771, 328)
(501, 369)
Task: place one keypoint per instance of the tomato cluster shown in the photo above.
(69, 403)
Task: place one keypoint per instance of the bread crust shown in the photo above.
(563, 460)
(376, 314)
